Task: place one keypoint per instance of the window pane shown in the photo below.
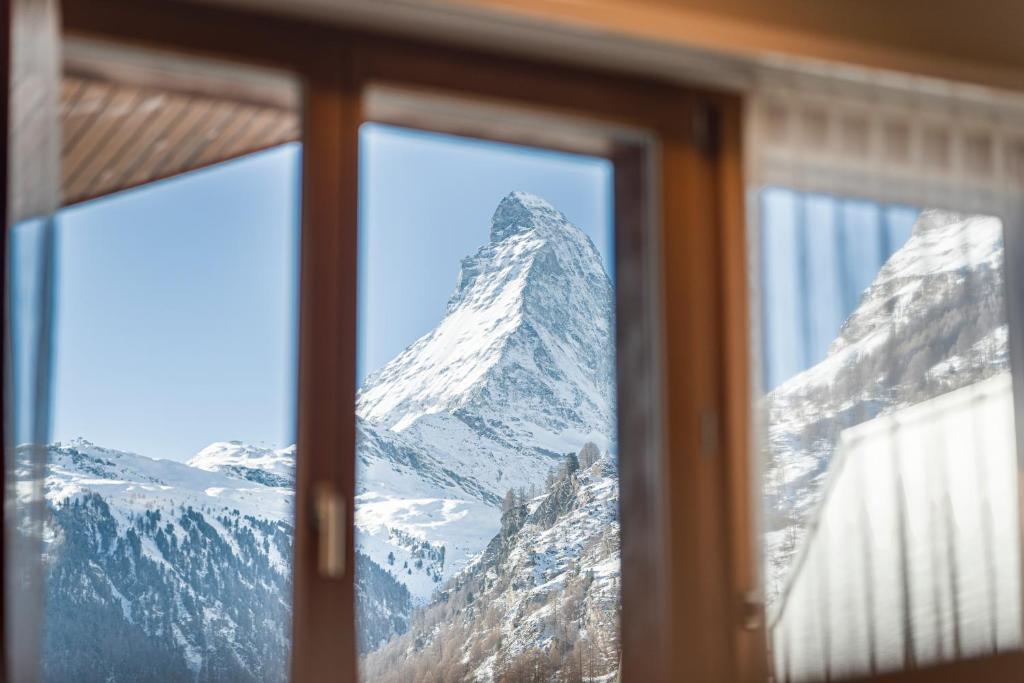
(487, 486)
(890, 461)
(168, 537)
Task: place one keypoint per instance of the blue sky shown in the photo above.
(818, 255)
(176, 302)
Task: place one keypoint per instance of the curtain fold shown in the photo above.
(889, 268)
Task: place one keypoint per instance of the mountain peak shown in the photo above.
(529, 325)
(519, 211)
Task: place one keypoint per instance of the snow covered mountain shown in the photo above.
(528, 328)
(519, 372)
(243, 461)
(542, 598)
(134, 483)
(165, 571)
(933, 320)
(181, 571)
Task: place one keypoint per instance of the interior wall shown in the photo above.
(713, 40)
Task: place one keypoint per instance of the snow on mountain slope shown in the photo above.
(390, 464)
(528, 328)
(542, 598)
(273, 467)
(933, 320)
(157, 570)
(134, 483)
(415, 516)
(519, 372)
(177, 571)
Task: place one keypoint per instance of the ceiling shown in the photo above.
(129, 120)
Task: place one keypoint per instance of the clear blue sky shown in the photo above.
(176, 311)
(176, 302)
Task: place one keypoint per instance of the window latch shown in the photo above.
(329, 507)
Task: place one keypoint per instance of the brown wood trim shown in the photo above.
(643, 491)
(202, 31)
(743, 474)
(324, 639)
(561, 90)
(910, 37)
(700, 601)
(294, 45)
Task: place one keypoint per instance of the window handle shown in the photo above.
(753, 610)
(330, 522)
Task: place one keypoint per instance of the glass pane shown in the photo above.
(169, 488)
(890, 465)
(31, 84)
(487, 486)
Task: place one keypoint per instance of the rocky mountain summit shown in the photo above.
(521, 365)
(519, 372)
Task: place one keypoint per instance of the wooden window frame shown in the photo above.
(682, 618)
(689, 499)
(689, 556)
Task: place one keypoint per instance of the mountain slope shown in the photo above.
(243, 461)
(519, 372)
(528, 326)
(542, 598)
(161, 571)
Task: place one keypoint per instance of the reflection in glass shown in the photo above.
(890, 464)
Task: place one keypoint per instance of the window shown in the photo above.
(487, 533)
(889, 450)
(166, 529)
(644, 134)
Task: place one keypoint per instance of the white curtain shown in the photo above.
(854, 175)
